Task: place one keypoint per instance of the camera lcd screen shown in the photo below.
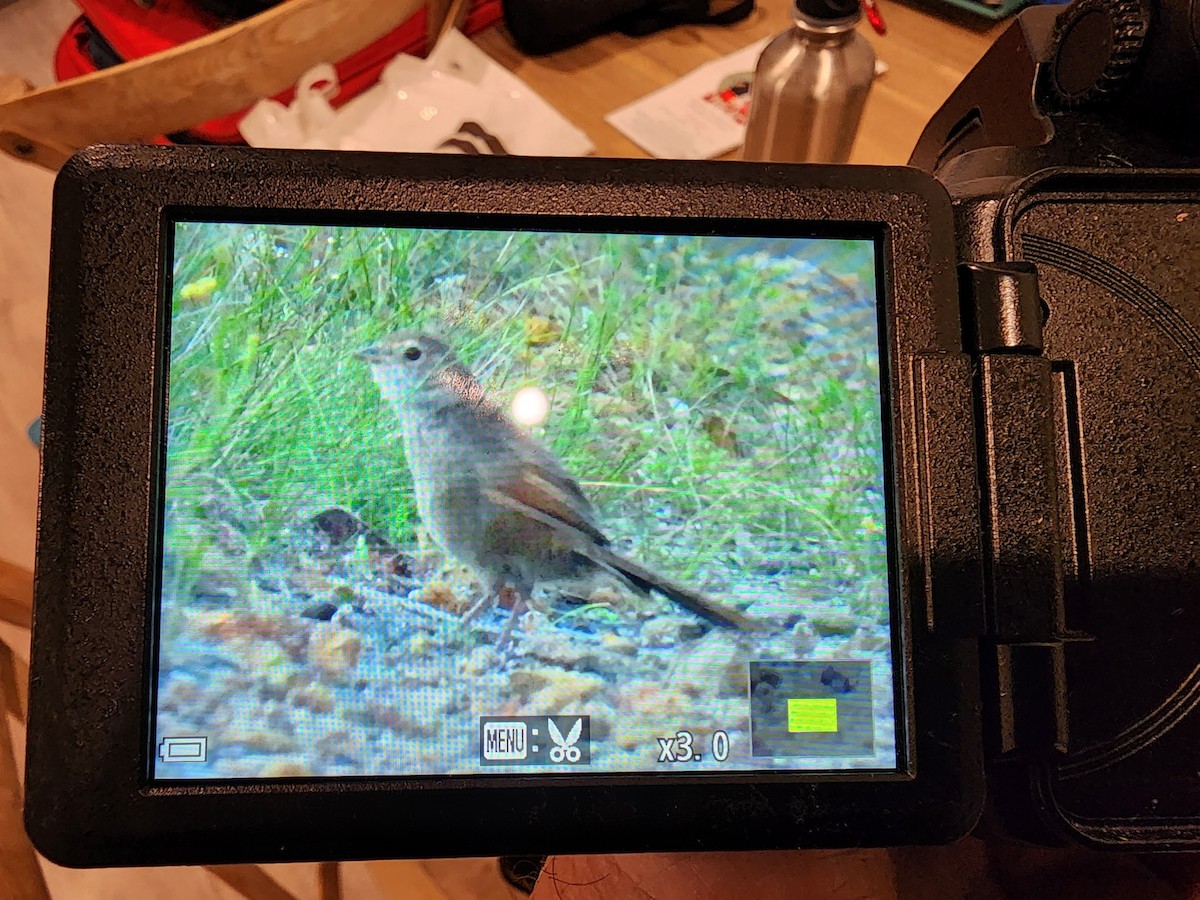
(464, 501)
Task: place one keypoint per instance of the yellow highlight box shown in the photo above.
(812, 715)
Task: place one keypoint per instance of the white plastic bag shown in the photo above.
(458, 100)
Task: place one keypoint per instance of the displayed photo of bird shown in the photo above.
(489, 494)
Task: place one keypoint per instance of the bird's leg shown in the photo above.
(518, 607)
(488, 598)
(487, 601)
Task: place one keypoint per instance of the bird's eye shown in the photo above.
(413, 353)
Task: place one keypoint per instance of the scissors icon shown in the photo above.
(564, 749)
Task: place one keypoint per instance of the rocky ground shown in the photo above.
(341, 655)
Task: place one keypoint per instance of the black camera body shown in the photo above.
(1070, 155)
(1032, 342)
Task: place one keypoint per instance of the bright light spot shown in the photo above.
(428, 112)
(530, 406)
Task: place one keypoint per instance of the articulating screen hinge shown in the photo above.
(1022, 663)
(1003, 311)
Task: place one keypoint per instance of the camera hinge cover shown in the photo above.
(1024, 579)
(1023, 564)
(1002, 308)
(1030, 688)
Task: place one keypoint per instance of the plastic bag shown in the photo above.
(458, 100)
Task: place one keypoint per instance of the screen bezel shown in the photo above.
(107, 367)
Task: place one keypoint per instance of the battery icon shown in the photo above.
(183, 749)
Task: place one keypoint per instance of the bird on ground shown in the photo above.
(489, 494)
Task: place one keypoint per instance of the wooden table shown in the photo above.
(928, 57)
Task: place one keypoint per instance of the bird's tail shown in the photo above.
(689, 599)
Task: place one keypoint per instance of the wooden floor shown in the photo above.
(927, 59)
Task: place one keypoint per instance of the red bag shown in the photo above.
(114, 31)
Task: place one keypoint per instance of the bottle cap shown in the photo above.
(829, 10)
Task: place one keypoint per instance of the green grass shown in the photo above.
(687, 392)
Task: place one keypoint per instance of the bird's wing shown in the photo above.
(539, 500)
(518, 473)
(548, 467)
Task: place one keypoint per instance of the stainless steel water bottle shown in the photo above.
(810, 85)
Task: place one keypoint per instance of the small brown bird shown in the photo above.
(488, 493)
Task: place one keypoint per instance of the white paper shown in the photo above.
(458, 100)
(701, 115)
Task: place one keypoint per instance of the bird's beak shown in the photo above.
(368, 353)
